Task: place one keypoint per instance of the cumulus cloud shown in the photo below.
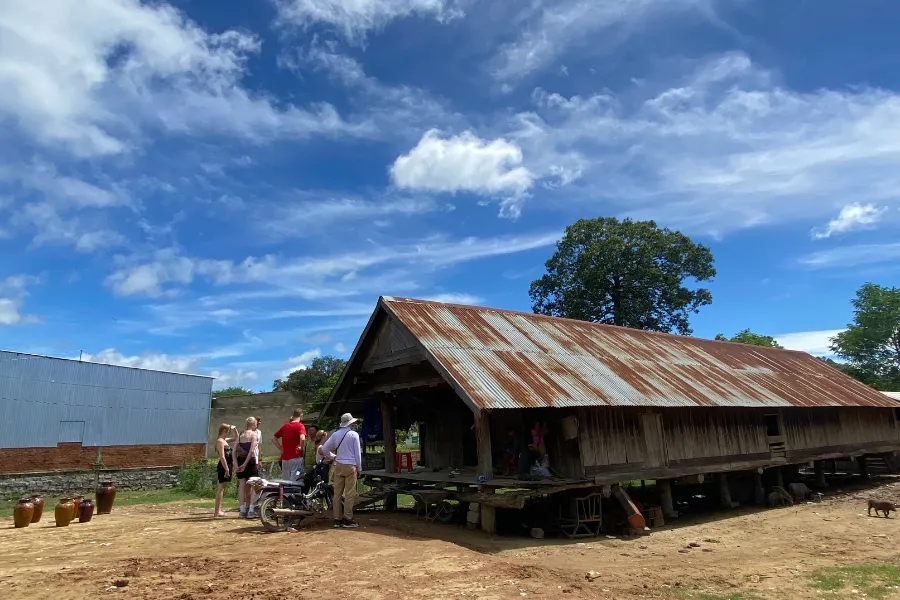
(464, 163)
(301, 362)
(126, 65)
(355, 19)
(817, 343)
(13, 291)
(722, 148)
(148, 360)
(852, 216)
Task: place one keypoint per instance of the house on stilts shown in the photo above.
(620, 404)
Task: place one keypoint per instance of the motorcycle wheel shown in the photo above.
(270, 520)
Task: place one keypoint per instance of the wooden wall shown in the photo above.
(696, 433)
(442, 439)
(611, 436)
(807, 429)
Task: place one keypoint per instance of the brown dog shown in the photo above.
(880, 506)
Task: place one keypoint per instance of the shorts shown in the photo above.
(249, 471)
(220, 470)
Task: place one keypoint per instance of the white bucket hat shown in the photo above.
(347, 419)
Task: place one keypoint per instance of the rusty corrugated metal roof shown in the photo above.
(502, 359)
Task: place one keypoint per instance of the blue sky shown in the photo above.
(227, 187)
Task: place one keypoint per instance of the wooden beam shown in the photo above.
(403, 357)
(488, 516)
(390, 437)
(405, 385)
(666, 503)
(483, 440)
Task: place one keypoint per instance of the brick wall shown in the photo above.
(75, 457)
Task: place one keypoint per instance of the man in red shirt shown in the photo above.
(290, 439)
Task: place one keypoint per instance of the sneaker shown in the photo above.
(252, 514)
(349, 524)
(337, 523)
(242, 514)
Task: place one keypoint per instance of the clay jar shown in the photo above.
(23, 512)
(76, 500)
(64, 512)
(38, 503)
(106, 495)
(85, 511)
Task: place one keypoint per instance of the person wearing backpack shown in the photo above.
(343, 448)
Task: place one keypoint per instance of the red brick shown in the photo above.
(75, 457)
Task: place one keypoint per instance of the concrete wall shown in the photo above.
(75, 457)
(274, 408)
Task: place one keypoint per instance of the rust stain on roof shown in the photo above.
(505, 359)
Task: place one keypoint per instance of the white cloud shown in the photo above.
(341, 348)
(355, 18)
(147, 360)
(852, 216)
(13, 291)
(88, 76)
(547, 28)
(455, 298)
(316, 277)
(236, 378)
(722, 149)
(817, 343)
(852, 256)
(298, 363)
(464, 163)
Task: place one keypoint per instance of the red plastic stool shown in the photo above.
(403, 460)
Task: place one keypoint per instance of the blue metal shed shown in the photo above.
(45, 401)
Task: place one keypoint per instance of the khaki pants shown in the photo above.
(344, 485)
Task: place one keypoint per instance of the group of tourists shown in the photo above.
(239, 455)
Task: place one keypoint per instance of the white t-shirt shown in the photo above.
(256, 446)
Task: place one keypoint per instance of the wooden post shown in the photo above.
(483, 441)
(819, 469)
(665, 498)
(390, 446)
(759, 492)
(724, 491)
(488, 514)
(863, 466)
(779, 477)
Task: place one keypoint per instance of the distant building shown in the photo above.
(274, 408)
(65, 415)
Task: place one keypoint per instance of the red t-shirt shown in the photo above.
(290, 434)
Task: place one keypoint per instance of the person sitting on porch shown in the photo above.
(538, 433)
(511, 452)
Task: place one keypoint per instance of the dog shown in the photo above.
(779, 495)
(881, 506)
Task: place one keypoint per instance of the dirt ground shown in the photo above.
(178, 552)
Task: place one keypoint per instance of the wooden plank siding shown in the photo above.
(695, 433)
(810, 429)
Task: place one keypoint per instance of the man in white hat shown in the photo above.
(344, 450)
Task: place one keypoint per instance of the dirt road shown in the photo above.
(175, 551)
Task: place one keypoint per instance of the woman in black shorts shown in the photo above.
(245, 466)
(223, 450)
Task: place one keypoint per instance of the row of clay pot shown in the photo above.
(29, 510)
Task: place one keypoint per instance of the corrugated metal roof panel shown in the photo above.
(41, 397)
(504, 359)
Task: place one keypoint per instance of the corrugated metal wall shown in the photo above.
(44, 401)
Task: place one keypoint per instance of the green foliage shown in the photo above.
(873, 581)
(748, 337)
(306, 383)
(320, 398)
(871, 344)
(629, 273)
(231, 391)
(199, 479)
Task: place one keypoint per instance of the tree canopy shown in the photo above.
(629, 273)
(231, 391)
(305, 383)
(748, 337)
(871, 343)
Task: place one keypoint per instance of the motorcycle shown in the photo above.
(286, 504)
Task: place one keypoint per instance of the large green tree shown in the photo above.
(871, 343)
(748, 337)
(231, 391)
(630, 273)
(305, 383)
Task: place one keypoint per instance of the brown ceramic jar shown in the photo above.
(86, 511)
(106, 495)
(76, 500)
(38, 502)
(64, 512)
(23, 512)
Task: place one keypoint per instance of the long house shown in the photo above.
(620, 403)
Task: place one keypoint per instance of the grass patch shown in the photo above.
(876, 581)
